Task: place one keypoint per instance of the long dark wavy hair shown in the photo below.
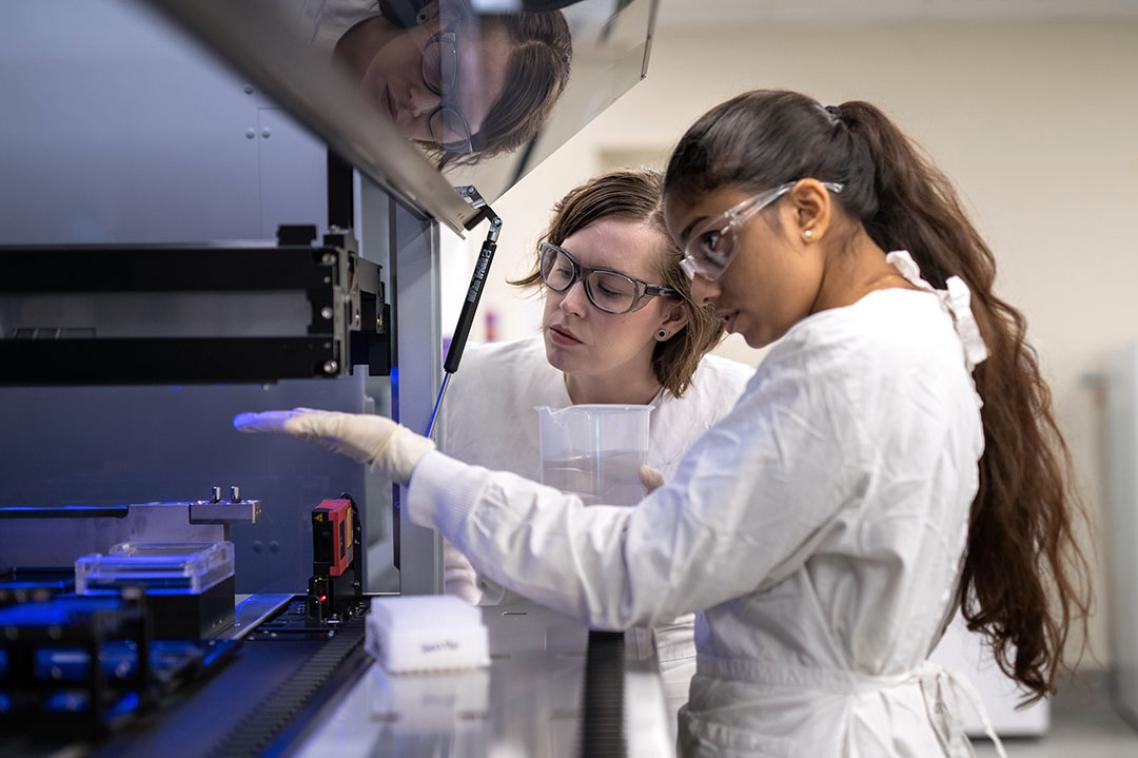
(1024, 576)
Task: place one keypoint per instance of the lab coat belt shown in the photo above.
(941, 690)
(771, 673)
(937, 686)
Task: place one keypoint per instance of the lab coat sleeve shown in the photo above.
(748, 503)
(459, 577)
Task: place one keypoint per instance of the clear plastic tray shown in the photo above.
(163, 567)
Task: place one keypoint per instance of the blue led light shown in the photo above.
(61, 664)
(218, 649)
(61, 511)
(66, 702)
(35, 585)
(64, 664)
(129, 702)
(55, 612)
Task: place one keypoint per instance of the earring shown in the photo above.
(662, 335)
(808, 234)
(422, 17)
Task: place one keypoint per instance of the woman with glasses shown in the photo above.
(618, 326)
(463, 86)
(894, 460)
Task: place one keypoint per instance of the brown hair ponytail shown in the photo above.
(1021, 542)
(1022, 582)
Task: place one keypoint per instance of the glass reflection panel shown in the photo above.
(482, 89)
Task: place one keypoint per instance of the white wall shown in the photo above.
(1037, 124)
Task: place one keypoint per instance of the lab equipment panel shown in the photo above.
(149, 314)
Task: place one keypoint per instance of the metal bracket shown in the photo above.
(473, 292)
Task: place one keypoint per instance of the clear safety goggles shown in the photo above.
(712, 245)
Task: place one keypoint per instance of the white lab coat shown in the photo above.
(488, 419)
(818, 529)
(326, 21)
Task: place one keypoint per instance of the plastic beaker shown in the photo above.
(595, 451)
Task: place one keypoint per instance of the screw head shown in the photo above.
(328, 259)
(250, 134)
(331, 367)
(326, 312)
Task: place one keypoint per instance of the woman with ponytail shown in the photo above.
(894, 459)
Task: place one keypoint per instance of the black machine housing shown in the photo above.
(136, 314)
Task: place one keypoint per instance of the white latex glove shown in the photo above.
(392, 449)
(650, 478)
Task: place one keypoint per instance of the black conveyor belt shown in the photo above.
(602, 725)
(245, 707)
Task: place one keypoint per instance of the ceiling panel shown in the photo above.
(685, 14)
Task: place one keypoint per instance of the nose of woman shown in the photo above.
(421, 101)
(704, 291)
(574, 300)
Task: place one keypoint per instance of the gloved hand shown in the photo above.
(392, 449)
(650, 478)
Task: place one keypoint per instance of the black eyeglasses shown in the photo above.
(609, 291)
(448, 127)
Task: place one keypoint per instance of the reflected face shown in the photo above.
(437, 84)
(584, 340)
(770, 285)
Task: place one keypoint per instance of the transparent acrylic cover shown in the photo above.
(160, 567)
(423, 95)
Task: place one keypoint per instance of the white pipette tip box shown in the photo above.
(421, 633)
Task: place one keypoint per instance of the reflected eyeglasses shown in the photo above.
(711, 247)
(448, 127)
(608, 291)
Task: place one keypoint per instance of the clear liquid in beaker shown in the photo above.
(611, 477)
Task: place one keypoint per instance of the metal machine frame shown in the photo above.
(348, 322)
